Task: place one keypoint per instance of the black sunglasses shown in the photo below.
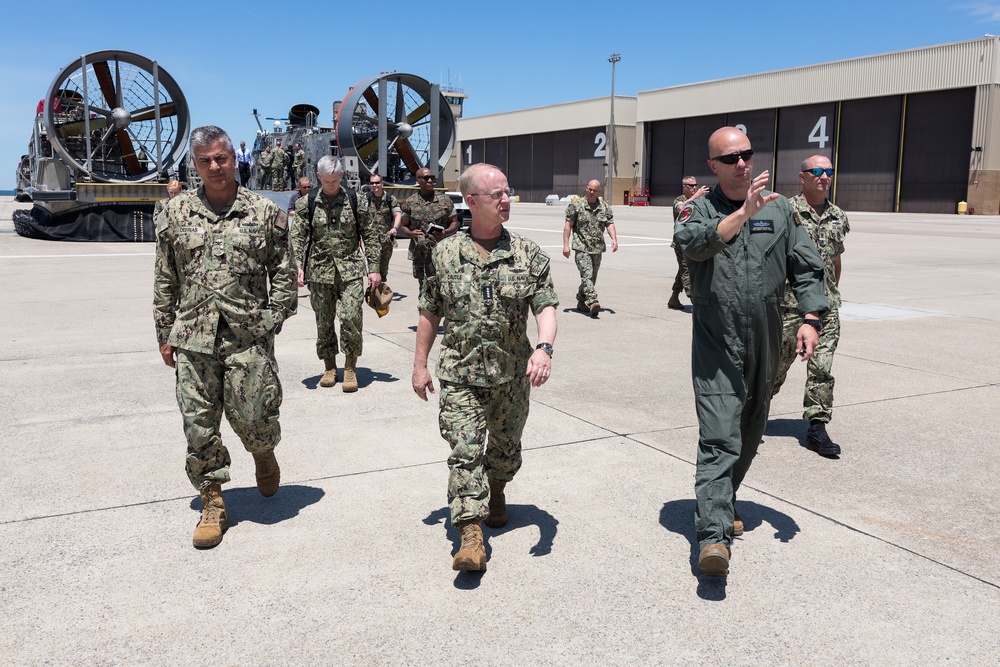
(733, 158)
(428, 178)
(818, 171)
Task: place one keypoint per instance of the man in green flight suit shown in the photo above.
(741, 244)
(329, 254)
(482, 282)
(224, 284)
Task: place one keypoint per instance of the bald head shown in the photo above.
(731, 159)
(593, 191)
(725, 137)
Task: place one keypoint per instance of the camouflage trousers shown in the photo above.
(682, 281)
(467, 415)
(588, 265)
(238, 380)
(327, 299)
(383, 261)
(265, 178)
(420, 253)
(300, 171)
(278, 179)
(818, 398)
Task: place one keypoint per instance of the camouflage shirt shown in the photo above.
(589, 224)
(419, 212)
(265, 158)
(278, 158)
(678, 205)
(300, 159)
(827, 232)
(484, 303)
(382, 210)
(234, 266)
(332, 239)
(158, 207)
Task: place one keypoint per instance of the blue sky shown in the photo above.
(230, 57)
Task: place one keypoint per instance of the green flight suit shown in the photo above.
(736, 292)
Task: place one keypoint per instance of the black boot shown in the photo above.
(818, 441)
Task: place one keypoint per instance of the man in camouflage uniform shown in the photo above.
(482, 281)
(386, 214)
(427, 217)
(299, 162)
(173, 189)
(278, 177)
(682, 280)
(827, 226)
(586, 219)
(265, 160)
(327, 248)
(224, 284)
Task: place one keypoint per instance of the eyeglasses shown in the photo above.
(818, 171)
(496, 194)
(733, 158)
(376, 182)
(432, 177)
(690, 185)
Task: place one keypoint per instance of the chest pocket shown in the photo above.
(245, 253)
(771, 241)
(456, 293)
(515, 287)
(190, 247)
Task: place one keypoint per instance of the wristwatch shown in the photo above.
(545, 347)
(815, 324)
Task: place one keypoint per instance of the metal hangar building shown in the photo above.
(909, 131)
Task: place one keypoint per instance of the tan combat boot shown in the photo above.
(330, 376)
(268, 473)
(213, 517)
(350, 376)
(471, 556)
(498, 506)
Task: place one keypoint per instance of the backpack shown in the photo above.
(352, 196)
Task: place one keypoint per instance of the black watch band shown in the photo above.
(815, 324)
(545, 347)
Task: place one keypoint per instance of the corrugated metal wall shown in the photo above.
(958, 65)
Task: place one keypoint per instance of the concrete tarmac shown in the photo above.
(888, 555)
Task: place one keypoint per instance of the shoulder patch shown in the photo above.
(282, 221)
(685, 214)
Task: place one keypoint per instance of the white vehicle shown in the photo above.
(461, 208)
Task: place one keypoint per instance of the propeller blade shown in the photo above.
(103, 73)
(418, 113)
(372, 100)
(408, 155)
(149, 113)
(400, 102)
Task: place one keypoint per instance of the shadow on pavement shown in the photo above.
(677, 516)
(246, 504)
(366, 376)
(521, 516)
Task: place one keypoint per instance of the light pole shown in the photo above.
(615, 57)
